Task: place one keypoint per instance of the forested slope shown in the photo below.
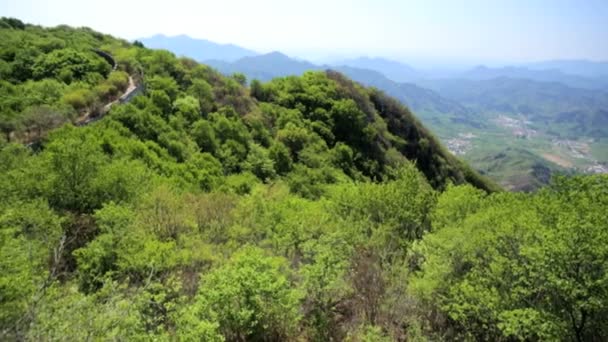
(52, 76)
(305, 208)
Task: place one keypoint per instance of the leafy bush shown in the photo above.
(250, 297)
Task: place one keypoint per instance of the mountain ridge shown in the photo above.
(276, 64)
(198, 49)
(394, 70)
(482, 72)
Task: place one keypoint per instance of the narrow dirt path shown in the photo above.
(87, 118)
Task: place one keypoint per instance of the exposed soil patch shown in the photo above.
(557, 160)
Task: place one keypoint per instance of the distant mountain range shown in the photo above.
(198, 49)
(275, 64)
(264, 67)
(545, 95)
(574, 67)
(542, 75)
(396, 71)
(233, 58)
(419, 99)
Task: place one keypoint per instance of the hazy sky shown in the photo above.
(467, 30)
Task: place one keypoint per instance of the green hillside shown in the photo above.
(302, 209)
(52, 76)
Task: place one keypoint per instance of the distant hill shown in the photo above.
(574, 67)
(198, 49)
(576, 111)
(417, 98)
(542, 75)
(275, 64)
(264, 67)
(396, 71)
(519, 95)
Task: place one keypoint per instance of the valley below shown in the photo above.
(512, 149)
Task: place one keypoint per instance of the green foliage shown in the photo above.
(12, 23)
(74, 162)
(259, 163)
(119, 79)
(161, 100)
(325, 281)
(397, 211)
(520, 267)
(241, 183)
(188, 107)
(203, 92)
(250, 297)
(281, 158)
(191, 328)
(240, 78)
(108, 315)
(349, 121)
(295, 138)
(79, 99)
(204, 136)
(167, 85)
(257, 90)
(39, 119)
(30, 234)
(455, 204)
(69, 65)
(309, 183)
(368, 334)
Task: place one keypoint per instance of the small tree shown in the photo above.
(256, 90)
(251, 298)
(240, 78)
(40, 119)
(259, 162)
(8, 124)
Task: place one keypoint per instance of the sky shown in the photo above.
(475, 31)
